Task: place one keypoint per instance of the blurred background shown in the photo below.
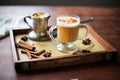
(113, 3)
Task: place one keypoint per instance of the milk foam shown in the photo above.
(67, 24)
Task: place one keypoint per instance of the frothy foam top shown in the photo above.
(68, 21)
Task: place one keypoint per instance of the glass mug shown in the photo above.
(68, 29)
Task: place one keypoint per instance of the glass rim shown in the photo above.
(69, 15)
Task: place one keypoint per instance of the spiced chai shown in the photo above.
(68, 28)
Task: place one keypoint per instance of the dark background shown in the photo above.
(113, 3)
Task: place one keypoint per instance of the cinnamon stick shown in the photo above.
(34, 56)
(25, 45)
(39, 52)
(28, 53)
(30, 56)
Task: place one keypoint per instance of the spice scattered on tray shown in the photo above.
(39, 52)
(86, 41)
(85, 51)
(47, 54)
(24, 38)
(82, 51)
(33, 54)
(29, 49)
(25, 45)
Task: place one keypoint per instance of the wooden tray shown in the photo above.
(101, 51)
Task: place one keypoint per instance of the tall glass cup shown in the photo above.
(68, 28)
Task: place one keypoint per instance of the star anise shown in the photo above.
(86, 41)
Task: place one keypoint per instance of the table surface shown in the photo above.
(106, 24)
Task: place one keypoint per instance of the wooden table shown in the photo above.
(106, 24)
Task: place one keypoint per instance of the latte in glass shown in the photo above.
(67, 28)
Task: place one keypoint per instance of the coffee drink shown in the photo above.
(68, 28)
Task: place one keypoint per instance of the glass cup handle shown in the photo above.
(50, 33)
(86, 34)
